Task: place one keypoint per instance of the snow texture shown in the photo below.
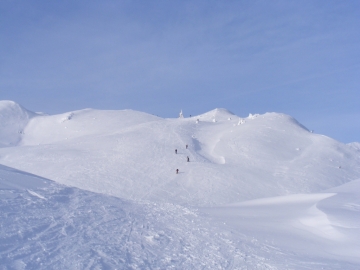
(93, 189)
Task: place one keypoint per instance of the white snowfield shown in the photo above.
(93, 189)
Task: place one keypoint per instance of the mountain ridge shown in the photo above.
(130, 155)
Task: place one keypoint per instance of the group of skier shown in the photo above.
(187, 158)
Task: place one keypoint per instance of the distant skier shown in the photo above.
(177, 171)
(188, 159)
(186, 146)
(175, 151)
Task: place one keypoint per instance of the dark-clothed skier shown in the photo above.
(188, 159)
(175, 151)
(177, 171)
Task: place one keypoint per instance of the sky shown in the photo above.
(300, 58)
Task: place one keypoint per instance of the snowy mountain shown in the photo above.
(131, 155)
(93, 189)
(13, 120)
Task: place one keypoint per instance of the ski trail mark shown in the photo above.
(36, 194)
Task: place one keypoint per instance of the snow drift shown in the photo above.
(13, 120)
(49, 226)
(131, 155)
(258, 192)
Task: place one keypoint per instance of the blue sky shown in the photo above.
(301, 58)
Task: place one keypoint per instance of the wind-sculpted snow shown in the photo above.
(355, 145)
(322, 229)
(78, 124)
(48, 226)
(131, 155)
(275, 195)
(13, 120)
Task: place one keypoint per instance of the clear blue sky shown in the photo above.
(301, 58)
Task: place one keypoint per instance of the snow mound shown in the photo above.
(355, 145)
(323, 227)
(13, 120)
(83, 123)
(218, 114)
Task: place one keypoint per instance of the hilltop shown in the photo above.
(97, 189)
(131, 155)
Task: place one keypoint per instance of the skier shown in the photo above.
(177, 171)
(175, 151)
(188, 159)
(186, 146)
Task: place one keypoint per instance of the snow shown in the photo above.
(93, 189)
(51, 226)
(355, 145)
(325, 224)
(13, 119)
(130, 154)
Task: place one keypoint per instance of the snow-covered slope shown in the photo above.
(13, 120)
(79, 124)
(275, 195)
(49, 226)
(45, 225)
(355, 145)
(321, 228)
(131, 155)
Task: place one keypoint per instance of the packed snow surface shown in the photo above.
(93, 189)
(50, 226)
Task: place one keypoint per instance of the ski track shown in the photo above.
(75, 229)
(124, 207)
